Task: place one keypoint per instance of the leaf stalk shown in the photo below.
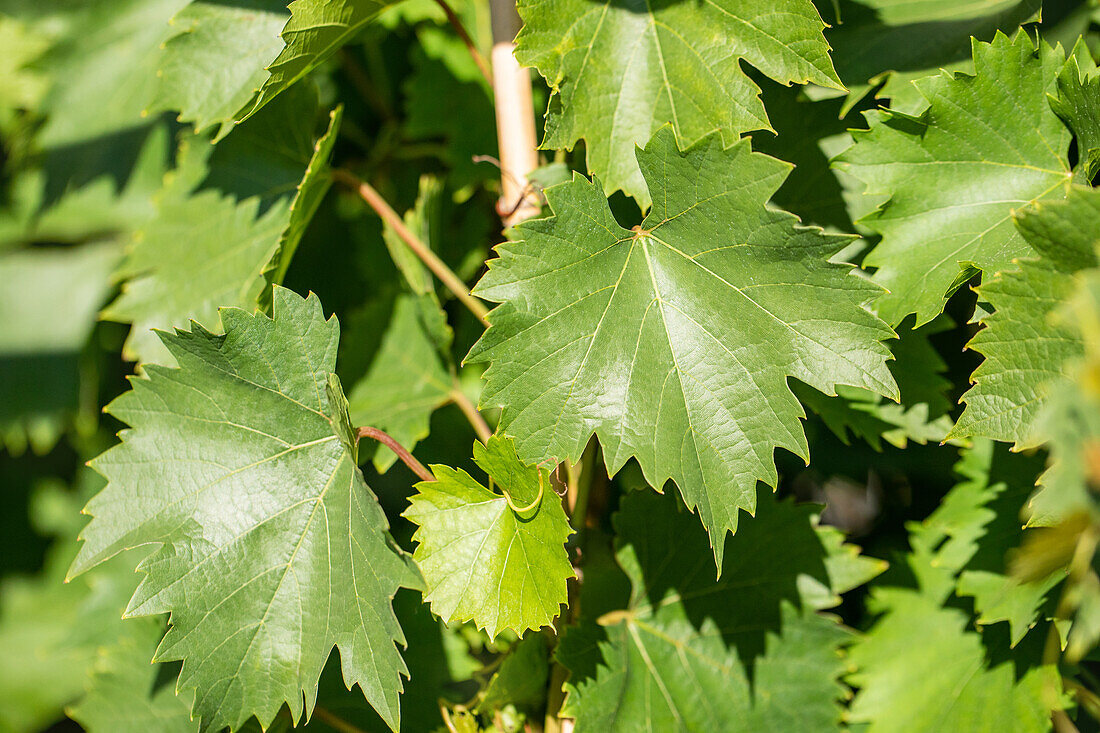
(407, 458)
(438, 268)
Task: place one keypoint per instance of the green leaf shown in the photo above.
(272, 549)
(1024, 346)
(406, 383)
(1071, 421)
(876, 40)
(498, 559)
(204, 248)
(1076, 104)
(621, 71)
(122, 694)
(678, 656)
(103, 68)
(216, 59)
(921, 416)
(316, 30)
(673, 342)
(521, 678)
(944, 682)
(950, 178)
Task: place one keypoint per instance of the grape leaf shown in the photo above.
(673, 342)
(876, 40)
(1075, 103)
(121, 696)
(316, 30)
(1024, 347)
(921, 416)
(944, 682)
(272, 547)
(521, 678)
(619, 71)
(986, 144)
(497, 561)
(678, 657)
(1071, 421)
(205, 249)
(103, 68)
(216, 60)
(406, 382)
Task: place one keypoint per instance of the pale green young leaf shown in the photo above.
(407, 380)
(620, 71)
(673, 342)
(122, 696)
(317, 29)
(498, 559)
(678, 656)
(216, 59)
(1025, 346)
(272, 549)
(950, 179)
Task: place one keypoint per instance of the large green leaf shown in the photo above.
(619, 71)
(673, 342)
(678, 657)
(496, 558)
(217, 58)
(949, 179)
(241, 466)
(316, 30)
(1025, 346)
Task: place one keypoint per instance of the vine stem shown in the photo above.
(407, 458)
(515, 118)
(473, 416)
(439, 268)
(456, 23)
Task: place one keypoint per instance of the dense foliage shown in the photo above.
(783, 415)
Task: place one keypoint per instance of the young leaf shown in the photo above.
(987, 144)
(238, 465)
(673, 342)
(1024, 346)
(621, 71)
(496, 558)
